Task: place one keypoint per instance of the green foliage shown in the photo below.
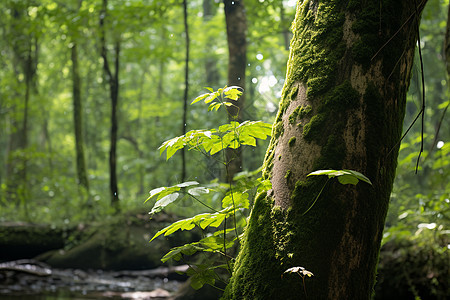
(150, 73)
(343, 176)
(234, 201)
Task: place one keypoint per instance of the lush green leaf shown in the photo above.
(344, 176)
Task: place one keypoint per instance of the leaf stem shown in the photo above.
(203, 203)
(315, 200)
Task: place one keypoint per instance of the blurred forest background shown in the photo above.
(66, 66)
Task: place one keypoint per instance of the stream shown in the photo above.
(65, 284)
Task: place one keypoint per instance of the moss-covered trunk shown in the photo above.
(342, 107)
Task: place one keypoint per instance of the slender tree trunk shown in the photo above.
(447, 43)
(236, 23)
(286, 33)
(25, 49)
(186, 88)
(211, 71)
(342, 107)
(78, 121)
(78, 117)
(113, 79)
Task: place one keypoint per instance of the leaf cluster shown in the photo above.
(219, 235)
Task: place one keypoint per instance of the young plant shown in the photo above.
(220, 237)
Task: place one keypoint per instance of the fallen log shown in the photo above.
(29, 266)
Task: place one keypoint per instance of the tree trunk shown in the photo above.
(286, 33)
(78, 121)
(113, 79)
(342, 107)
(25, 49)
(186, 88)
(236, 23)
(78, 116)
(211, 71)
(447, 43)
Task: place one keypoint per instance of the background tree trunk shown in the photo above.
(78, 116)
(186, 89)
(211, 71)
(447, 43)
(342, 107)
(25, 51)
(236, 23)
(113, 79)
(78, 121)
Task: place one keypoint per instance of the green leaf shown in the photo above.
(236, 198)
(214, 106)
(155, 192)
(197, 191)
(200, 275)
(163, 202)
(172, 146)
(211, 97)
(187, 183)
(344, 176)
(227, 127)
(178, 252)
(233, 92)
(200, 98)
(214, 243)
(213, 220)
(173, 228)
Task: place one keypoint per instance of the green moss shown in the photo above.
(300, 112)
(257, 247)
(278, 129)
(288, 175)
(293, 117)
(317, 37)
(332, 154)
(294, 93)
(305, 111)
(374, 30)
(314, 127)
(343, 96)
(292, 141)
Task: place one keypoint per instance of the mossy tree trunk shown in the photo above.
(342, 107)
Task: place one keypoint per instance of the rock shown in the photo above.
(121, 243)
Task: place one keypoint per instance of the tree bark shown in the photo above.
(78, 121)
(236, 23)
(211, 71)
(342, 107)
(25, 51)
(447, 43)
(78, 115)
(113, 80)
(186, 88)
